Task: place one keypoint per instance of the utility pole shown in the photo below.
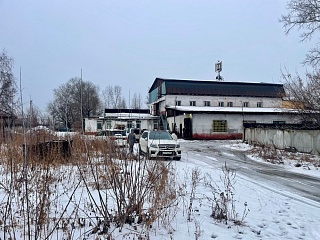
(82, 129)
(174, 115)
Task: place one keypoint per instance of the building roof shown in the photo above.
(125, 110)
(128, 116)
(218, 88)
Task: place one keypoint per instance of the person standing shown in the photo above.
(174, 136)
(131, 140)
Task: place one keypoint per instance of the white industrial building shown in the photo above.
(198, 109)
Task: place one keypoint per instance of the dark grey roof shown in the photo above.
(126, 110)
(219, 88)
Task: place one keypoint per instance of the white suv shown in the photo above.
(159, 144)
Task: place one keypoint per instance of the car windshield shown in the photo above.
(160, 135)
(112, 133)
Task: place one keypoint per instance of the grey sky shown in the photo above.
(130, 43)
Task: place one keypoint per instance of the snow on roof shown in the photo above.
(214, 80)
(230, 109)
(128, 115)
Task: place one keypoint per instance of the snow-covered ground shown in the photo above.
(261, 210)
(272, 215)
(296, 162)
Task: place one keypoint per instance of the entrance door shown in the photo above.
(187, 133)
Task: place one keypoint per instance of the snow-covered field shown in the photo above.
(256, 210)
(272, 215)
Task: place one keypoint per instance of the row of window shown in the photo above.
(220, 104)
(222, 126)
(108, 124)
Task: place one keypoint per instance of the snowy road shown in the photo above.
(302, 187)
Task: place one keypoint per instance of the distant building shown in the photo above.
(210, 109)
(7, 122)
(121, 119)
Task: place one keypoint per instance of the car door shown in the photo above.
(144, 142)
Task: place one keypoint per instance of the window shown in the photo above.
(129, 124)
(249, 121)
(221, 104)
(99, 125)
(192, 103)
(230, 104)
(138, 124)
(245, 104)
(108, 124)
(155, 124)
(219, 126)
(259, 104)
(178, 103)
(279, 122)
(207, 103)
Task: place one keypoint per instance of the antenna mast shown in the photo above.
(218, 70)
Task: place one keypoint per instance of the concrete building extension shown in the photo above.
(121, 119)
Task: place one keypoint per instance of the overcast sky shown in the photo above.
(130, 43)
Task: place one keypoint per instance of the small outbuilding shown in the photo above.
(121, 119)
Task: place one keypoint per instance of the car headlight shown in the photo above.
(178, 146)
(154, 145)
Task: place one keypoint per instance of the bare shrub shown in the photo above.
(268, 153)
(278, 156)
(95, 190)
(195, 181)
(223, 201)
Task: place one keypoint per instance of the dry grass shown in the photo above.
(93, 190)
(277, 156)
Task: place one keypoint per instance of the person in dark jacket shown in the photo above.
(131, 140)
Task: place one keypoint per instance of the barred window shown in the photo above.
(108, 122)
(155, 124)
(129, 124)
(207, 103)
(99, 124)
(219, 126)
(138, 124)
(230, 104)
(192, 103)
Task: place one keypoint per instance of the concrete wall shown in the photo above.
(307, 141)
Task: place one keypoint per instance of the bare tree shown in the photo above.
(136, 101)
(305, 16)
(7, 84)
(113, 97)
(108, 96)
(73, 98)
(117, 96)
(304, 96)
(122, 103)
